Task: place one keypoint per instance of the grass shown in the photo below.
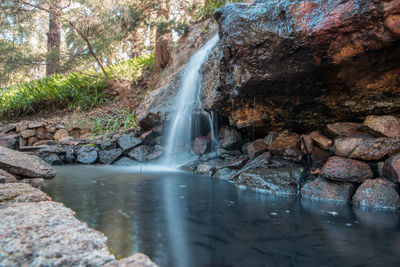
(74, 91)
(119, 120)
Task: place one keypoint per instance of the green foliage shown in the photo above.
(120, 120)
(75, 91)
(210, 6)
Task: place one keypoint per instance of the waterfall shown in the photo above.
(189, 112)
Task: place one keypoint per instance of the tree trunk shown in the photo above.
(53, 39)
(163, 37)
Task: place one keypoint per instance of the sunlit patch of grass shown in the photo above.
(120, 120)
(75, 91)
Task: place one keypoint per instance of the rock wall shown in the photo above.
(300, 64)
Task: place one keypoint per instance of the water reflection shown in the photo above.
(184, 220)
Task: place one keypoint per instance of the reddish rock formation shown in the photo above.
(301, 64)
(391, 168)
(346, 170)
(387, 125)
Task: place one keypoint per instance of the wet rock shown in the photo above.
(231, 139)
(60, 134)
(205, 169)
(109, 156)
(387, 125)
(139, 153)
(20, 192)
(327, 190)
(226, 174)
(154, 156)
(344, 128)
(69, 155)
(346, 170)
(377, 193)
(6, 177)
(28, 133)
(228, 154)
(282, 181)
(46, 233)
(201, 145)
(22, 142)
(189, 167)
(52, 159)
(293, 154)
(235, 163)
(148, 138)
(208, 156)
(306, 144)
(136, 260)
(319, 157)
(365, 148)
(87, 154)
(22, 164)
(9, 141)
(270, 138)
(125, 161)
(284, 141)
(391, 168)
(255, 148)
(107, 144)
(128, 141)
(261, 161)
(321, 140)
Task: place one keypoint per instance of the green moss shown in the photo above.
(114, 253)
(9, 197)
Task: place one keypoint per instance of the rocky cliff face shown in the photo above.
(301, 64)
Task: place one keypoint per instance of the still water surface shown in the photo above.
(183, 220)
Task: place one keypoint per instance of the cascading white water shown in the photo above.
(188, 102)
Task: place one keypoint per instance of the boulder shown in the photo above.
(7, 128)
(391, 168)
(365, 148)
(261, 161)
(107, 144)
(20, 192)
(255, 148)
(136, 260)
(322, 189)
(377, 193)
(148, 138)
(125, 161)
(299, 65)
(293, 154)
(230, 139)
(346, 170)
(128, 141)
(21, 126)
(28, 133)
(51, 158)
(9, 141)
(344, 128)
(109, 156)
(235, 163)
(321, 140)
(205, 169)
(284, 141)
(22, 164)
(306, 144)
(32, 140)
(389, 126)
(6, 177)
(139, 153)
(35, 124)
(60, 134)
(201, 144)
(87, 154)
(34, 182)
(282, 181)
(226, 174)
(44, 142)
(154, 156)
(46, 233)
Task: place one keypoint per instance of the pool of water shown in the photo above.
(180, 219)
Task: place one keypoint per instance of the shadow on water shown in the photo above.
(179, 219)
